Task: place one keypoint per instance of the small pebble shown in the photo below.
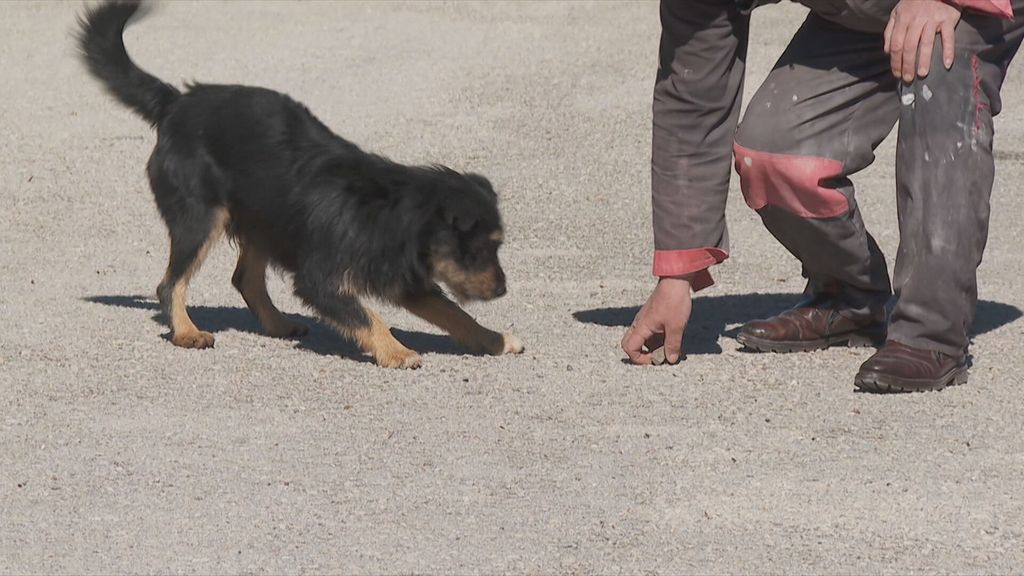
(658, 356)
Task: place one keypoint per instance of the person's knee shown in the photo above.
(792, 182)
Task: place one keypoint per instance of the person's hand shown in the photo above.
(661, 321)
(910, 36)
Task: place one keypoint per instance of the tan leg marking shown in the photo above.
(250, 278)
(184, 332)
(447, 315)
(377, 340)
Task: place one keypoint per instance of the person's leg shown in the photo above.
(815, 121)
(944, 172)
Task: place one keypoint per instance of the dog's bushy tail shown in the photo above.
(100, 39)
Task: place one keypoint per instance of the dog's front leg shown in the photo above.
(447, 315)
(346, 314)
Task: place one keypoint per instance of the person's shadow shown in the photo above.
(712, 315)
(320, 338)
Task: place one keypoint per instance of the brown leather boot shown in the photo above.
(815, 324)
(901, 368)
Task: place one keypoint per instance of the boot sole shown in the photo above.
(861, 339)
(886, 384)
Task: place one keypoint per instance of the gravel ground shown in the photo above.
(122, 453)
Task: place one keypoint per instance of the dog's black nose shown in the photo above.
(499, 282)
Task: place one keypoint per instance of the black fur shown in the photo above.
(100, 37)
(330, 213)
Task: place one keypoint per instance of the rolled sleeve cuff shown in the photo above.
(695, 261)
(1001, 8)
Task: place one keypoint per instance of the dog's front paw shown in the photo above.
(512, 345)
(286, 329)
(403, 359)
(194, 339)
(496, 344)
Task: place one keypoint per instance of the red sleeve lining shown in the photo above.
(694, 261)
(1001, 8)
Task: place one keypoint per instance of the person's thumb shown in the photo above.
(633, 342)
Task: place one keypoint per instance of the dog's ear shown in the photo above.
(482, 182)
(459, 214)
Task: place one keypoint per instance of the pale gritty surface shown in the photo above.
(122, 453)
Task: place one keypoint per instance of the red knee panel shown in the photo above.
(790, 182)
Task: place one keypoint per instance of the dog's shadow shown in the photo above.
(320, 339)
(712, 317)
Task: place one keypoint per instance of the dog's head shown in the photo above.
(466, 237)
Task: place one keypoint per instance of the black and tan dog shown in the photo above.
(258, 166)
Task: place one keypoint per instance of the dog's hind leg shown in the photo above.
(250, 278)
(192, 236)
(346, 314)
(435, 308)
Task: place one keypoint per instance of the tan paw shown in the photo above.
(404, 359)
(286, 329)
(194, 339)
(496, 344)
(512, 345)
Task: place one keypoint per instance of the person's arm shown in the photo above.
(696, 108)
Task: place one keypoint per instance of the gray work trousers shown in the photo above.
(816, 120)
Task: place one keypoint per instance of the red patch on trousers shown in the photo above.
(979, 104)
(790, 182)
